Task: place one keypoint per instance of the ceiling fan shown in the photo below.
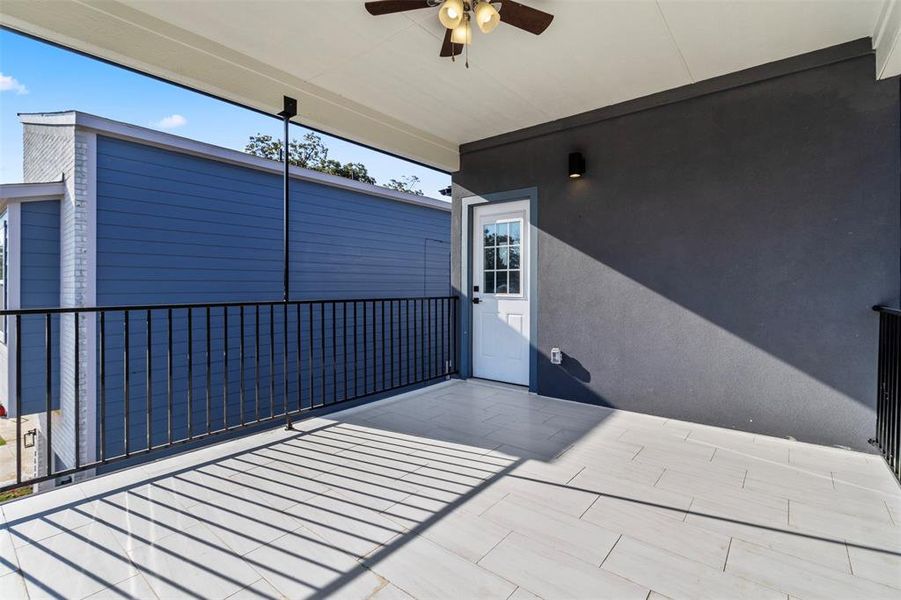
(456, 17)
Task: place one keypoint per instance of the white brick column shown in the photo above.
(52, 152)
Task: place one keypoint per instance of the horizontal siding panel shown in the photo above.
(39, 287)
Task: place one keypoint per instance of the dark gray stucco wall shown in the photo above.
(719, 260)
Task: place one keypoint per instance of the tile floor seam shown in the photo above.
(593, 502)
(609, 552)
(498, 543)
(687, 512)
(493, 504)
(568, 481)
(728, 550)
(659, 477)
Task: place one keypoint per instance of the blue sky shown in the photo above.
(38, 77)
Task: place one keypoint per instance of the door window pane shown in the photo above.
(502, 233)
(489, 282)
(489, 258)
(514, 257)
(490, 235)
(501, 286)
(515, 232)
(502, 254)
(514, 283)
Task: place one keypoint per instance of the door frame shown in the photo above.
(467, 204)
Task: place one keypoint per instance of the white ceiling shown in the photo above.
(379, 79)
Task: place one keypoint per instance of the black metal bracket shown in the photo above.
(290, 108)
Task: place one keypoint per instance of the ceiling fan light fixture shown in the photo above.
(451, 13)
(487, 17)
(462, 33)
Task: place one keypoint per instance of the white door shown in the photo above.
(500, 292)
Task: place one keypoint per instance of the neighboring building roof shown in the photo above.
(168, 141)
(30, 192)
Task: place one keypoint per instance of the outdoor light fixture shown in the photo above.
(28, 438)
(451, 13)
(576, 165)
(487, 17)
(462, 33)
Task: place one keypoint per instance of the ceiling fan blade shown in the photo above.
(525, 17)
(449, 49)
(386, 7)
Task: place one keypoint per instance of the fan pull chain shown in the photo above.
(466, 49)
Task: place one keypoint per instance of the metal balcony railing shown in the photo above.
(114, 383)
(888, 390)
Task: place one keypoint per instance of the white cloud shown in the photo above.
(171, 122)
(8, 83)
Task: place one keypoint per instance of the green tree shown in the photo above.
(310, 153)
(406, 183)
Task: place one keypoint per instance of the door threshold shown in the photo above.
(498, 384)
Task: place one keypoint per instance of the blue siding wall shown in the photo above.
(173, 228)
(39, 287)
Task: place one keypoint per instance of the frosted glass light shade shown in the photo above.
(487, 17)
(451, 13)
(462, 33)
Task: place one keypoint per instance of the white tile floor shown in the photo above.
(469, 490)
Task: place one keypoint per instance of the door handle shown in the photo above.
(476, 300)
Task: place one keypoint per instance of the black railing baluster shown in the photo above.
(48, 380)
(241, 365)
(225, 373)
(334, 358)
(77, 391)
(168, 376)
(321, 354)
(383, 344)
(365, 353)
(344, 348)
(126, 392)
(256, 358)
(356, 347)
(271, 360)
(417, 357)
(19, 441)
(375, 374)
(310, 359)
(391, 341)
(102, 376)
(297, 361)
(190, 358)
(456, 307)
(407, 328)
(148, 384)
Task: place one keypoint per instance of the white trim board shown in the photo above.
(31, 192)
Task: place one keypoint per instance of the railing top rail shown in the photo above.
(887, 310)
(184, 306)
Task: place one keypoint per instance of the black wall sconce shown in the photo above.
(576, 165)
(28, 438)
